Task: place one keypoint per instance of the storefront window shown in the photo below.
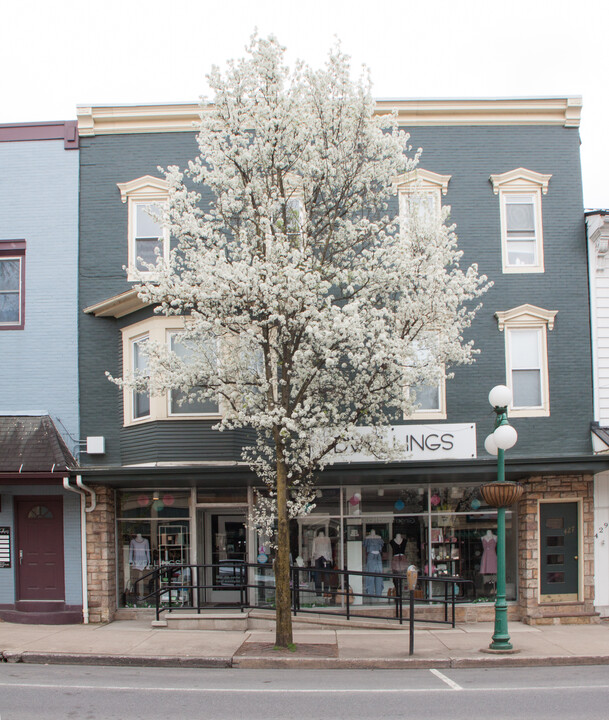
(443, 530)
(153, 529)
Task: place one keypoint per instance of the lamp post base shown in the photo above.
(501, 645)
(492, 651)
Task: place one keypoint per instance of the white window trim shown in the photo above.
(529, 317)
(157, 329)
(427, 414)
(143, 190)
(521, 182)
(132, 393)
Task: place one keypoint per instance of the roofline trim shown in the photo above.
(183, 117)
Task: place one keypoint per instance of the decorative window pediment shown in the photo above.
(520, 179)
(526, 316)
(421, 180)
(144, 186)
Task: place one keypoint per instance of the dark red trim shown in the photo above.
(66, 130)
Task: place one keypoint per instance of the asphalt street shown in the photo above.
(105, 693)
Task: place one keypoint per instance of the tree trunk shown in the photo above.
(283, 627)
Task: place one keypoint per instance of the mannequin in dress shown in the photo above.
(139, 561)
(399, 563)
(373, 545)
(488, 564)
(322, 557)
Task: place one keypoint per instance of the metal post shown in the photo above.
(346, 589)
(411, 621)
(501, 638)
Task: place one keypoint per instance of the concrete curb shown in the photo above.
(413, 663)
(41, 658)
(300, 663)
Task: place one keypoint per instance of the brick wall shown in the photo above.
(101, 556)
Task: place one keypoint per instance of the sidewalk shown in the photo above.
(131, 642)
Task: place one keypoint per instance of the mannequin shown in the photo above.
(373, 544)
(322, 557)
(488, 564)
(139, 560)
(399, 563)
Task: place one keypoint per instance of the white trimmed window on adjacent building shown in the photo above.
(520, 192)
(12, 284)
(526, 353)
(147, 238)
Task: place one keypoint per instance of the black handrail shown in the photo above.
(186, 583)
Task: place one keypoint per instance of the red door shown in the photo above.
(39, 533)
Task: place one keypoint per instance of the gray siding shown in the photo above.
(470, 155)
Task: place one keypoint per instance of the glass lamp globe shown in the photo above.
(490, 445)
(505, 437)
(500, 396)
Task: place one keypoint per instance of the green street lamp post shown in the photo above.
(501, 494)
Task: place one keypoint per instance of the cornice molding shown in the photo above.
(184, 117)
(526, 316)
(520, 179)
(421, 179)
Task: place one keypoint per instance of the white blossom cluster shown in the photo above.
(307, 304)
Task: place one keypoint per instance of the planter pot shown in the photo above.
(501, 494)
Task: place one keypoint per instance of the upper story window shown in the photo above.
(526, 354)
(420, 194)
(520, 194)
(146, 236)
(141, 407)
(181, 403)
(139, 366)
(12, 284)
(429, 399)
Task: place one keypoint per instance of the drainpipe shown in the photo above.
(80, 484)
(83, 547)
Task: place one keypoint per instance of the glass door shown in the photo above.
(225, 548)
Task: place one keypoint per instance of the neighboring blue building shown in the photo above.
(174, 490)
(40, 521)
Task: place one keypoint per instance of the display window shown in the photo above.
(153, 529)
(443, 530)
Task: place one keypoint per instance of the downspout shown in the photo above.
(83, 548)
(80, 484)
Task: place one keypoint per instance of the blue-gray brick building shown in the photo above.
(41, 518)
(174, 490)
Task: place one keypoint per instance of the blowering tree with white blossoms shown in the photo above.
(306, 305)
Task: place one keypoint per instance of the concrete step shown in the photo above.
(203, 621)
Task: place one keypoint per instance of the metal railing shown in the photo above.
(235, 584)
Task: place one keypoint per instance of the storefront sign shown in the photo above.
(419, 442)
(5, 547)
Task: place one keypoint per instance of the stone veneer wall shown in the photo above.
(101, 556)
(548, 487)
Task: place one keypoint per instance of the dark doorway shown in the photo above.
(559, 551)
(39, 533)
